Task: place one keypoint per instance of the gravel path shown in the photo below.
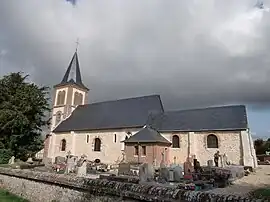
(242, 187)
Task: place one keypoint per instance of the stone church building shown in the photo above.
(140, 128)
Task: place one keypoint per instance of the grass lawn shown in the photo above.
(262, 193)
(5, 196)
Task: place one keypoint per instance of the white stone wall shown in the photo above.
(235, 144)
(238, 146)
(111, 151)
(180, 153)
(228, 142)
(55, 145)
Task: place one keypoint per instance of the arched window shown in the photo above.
(58, 117)
(175, 141)
(87, 138)
(97, 144)
(78, 97)
(58, 98)
(63, 145)
(61, 97)
(114, 137)
(212, 141)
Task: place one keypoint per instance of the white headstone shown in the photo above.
(29, 160)
(11, 160)
(71, 163)
(82, 170)
(221, 161)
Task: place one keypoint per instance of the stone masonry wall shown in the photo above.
(78, 145)
(42, 186)
(153, 153)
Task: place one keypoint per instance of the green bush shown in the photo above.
(262, 193)
(5, 155)
(6, 196)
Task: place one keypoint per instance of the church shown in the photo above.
(141, 129)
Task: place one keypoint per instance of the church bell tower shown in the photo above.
(69, 93)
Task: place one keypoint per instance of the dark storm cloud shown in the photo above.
(194, 53)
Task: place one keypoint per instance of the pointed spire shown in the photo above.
(73, 73)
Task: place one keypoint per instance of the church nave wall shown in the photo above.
(228, 142)
(111, 147)
(57, 144)
(177, 153)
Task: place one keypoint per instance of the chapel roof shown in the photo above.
(73, 74)
(232, 117)
(148, 110)
(116, 114)
(147, 135)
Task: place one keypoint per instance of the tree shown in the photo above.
(261, 146)
(23, 109)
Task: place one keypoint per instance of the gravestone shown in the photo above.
(123, 158)
(236, 172)
(188, 168)
(71, 164)
(164, 174)
(178, 173)
(123, 168)
(11, 160)
(82, 169)
(29, 160)
(210, 163)
(171, 175)
(146, 173)
(226, 161)
(221, 161)
(60, 159)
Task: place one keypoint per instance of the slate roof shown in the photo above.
(148, 135)
(73, 74)
(124, 113)
(213, 118)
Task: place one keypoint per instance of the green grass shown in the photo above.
(262, 193)
(5, 196)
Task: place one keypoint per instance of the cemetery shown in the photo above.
(187, 178)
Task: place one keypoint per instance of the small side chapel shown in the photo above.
(140, 128)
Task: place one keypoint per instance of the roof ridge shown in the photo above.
(205, 108)
(121, 99)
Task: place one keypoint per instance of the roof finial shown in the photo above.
(77, 44)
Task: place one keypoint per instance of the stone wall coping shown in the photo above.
(141, 192)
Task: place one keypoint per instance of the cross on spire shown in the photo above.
(77, 44)
(73, 74)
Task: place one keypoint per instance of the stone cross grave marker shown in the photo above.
(82, 169)
(11, 160)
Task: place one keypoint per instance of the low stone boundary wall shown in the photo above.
(49, 187)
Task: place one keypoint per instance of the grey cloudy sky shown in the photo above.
(192, 52)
